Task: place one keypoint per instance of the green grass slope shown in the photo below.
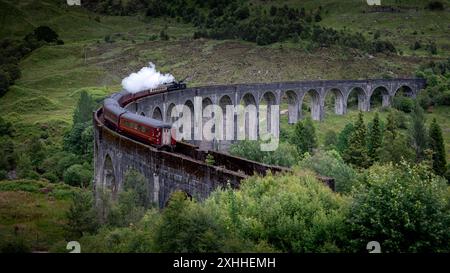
(34, 212)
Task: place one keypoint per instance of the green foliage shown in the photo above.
(404, 104)
(289, 213)
(438, 148)
(135, 182)
(84, 108)
(81, 217)
(8, 156)
(25, 167)
(343, 137)
(126, 211)
(285, 155)
(304, 137)
(79, 140)
(356, 152)
(58, 162)
(36, 152)
(78, 175)
(210, 159)
(375, 138)
(404, 208)
(331, 164)
(418, 133)
(43, 33)
(331, 140)
(129, 206)
(395, 147)
(118, 240)
(187, 227)
(437, 91)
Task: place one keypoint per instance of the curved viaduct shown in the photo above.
(185, 169)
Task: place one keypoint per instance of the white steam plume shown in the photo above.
(146, 78)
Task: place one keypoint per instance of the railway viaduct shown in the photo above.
(185, 168)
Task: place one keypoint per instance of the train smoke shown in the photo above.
(146, 78)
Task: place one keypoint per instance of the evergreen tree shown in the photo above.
(79, 139)
(437, 146)
(304, 137)
(81, 215)
(394, 147)
(375, 139)
(83, 111)
(343, 137)
(356, 152)
(418, 132)
(391, 127)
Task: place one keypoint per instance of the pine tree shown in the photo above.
(83, 111)
(344, 135)
(391, 127)
(356, 152)
(418, 133)
(304, 137)
(394, 148)
(437, 146)
(375, 139)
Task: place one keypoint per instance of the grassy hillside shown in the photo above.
(409, 22)
(33, 212)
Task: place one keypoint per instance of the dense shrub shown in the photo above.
(290, 213)
(78, 175)
(437, 91)
(43, 33)
(405, 208)
(331, 164)
(403, 104)
(81, 216)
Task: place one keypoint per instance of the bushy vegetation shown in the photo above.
(404, 207)
(285, 155)
(437, 91)
(40, 157)
(331, 164)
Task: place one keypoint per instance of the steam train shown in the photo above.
(145, 129)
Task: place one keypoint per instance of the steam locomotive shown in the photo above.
(145, 129)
